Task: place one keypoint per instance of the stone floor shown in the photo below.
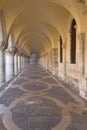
(35, 100)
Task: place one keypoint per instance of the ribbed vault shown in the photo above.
(38, 23)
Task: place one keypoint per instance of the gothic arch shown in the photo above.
(61, 50)
(2, 27)
(73, 42)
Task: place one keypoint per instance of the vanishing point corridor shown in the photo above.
(36, 100)
(43, 64)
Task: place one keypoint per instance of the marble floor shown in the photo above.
(35, 100)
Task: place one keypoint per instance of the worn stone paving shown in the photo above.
(36, 100)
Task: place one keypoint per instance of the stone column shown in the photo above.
(83, 79)
(16, 63)
(10, 72)
(2, 63)
(52, 61)
(19, 63)
(22, 62)
(64, 57)
(81, 37)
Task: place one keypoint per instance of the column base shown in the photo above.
(83, 93)
(1, 83)
(83, 87)
(55, 71)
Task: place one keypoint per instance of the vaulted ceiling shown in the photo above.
(38, 23)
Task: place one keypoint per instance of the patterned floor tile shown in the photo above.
(36, 113)
(35, 86)
(39, 102)
(10, 95)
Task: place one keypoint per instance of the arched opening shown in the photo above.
(61, 50)
(1, 33)
(33, 58)
(73, 42)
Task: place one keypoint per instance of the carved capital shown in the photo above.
(14, 50)
(3, 46)
(11, 51)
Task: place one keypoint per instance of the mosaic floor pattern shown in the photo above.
(35, 100)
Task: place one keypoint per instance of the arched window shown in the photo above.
(1, 34)
(61, 50)
(73, 42)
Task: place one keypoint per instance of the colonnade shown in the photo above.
(65, 53)
(11, 62)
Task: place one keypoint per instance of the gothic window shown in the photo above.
(61, 50)
(73, 42)
(1, 34)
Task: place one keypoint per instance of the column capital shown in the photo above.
(3, 46)
(11, 51)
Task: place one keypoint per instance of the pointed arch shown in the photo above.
(1, 33)
(61, 50)
(73, 42)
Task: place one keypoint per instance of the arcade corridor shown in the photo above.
(36, 100)
(50, 94)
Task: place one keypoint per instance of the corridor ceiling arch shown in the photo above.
(36, 34)
(38, 47)
(40, 30)
(70, 5)
(44, 42)
(40, 16)
(48, 15)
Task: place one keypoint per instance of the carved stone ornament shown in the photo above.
(11, 51)
(3, 46)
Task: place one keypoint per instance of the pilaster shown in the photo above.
(54, 60)
(81, 57)
(83, 79)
